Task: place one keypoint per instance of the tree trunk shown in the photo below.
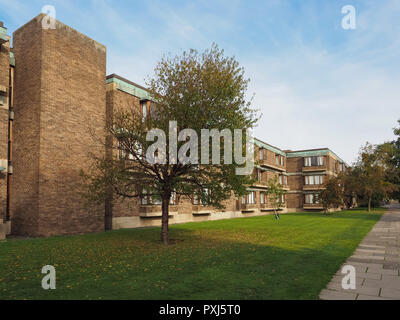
(165, 220)
(276, 213)
(369, 203)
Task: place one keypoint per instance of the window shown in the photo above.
(282, 161)
(257, 174)
(172, 201)
(318, 180)
(277, 159)
(283, 180)
(143, 109)
(311, 199)
(243, 200)
(148, 199)
(144, 197)
(196, 198)
(261, 154)
(252, 197)
(262, 197)
(313, 161)
(282, 198)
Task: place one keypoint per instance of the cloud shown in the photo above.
(316, 84)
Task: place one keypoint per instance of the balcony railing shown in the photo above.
(200, 210)
(313, 206)
(310, 187)
(260, 183)
(314, 168)
(266, 163)
(248, 207)
(153, 211)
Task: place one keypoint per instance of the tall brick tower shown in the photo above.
(5, 108)
(60, 108)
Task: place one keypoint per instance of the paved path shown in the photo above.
(377, 264)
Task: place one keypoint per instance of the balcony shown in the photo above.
(314, 168)
(313, 187)
(266, 163)
(200, 210)
(155, 211)
(264, 207)
(247, 208)
(261, 184)
(313, 206)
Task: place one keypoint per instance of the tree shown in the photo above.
(275, 193)
(332, 196)
(350, 180)
(371, 171)
(191, 93)
(393, 175)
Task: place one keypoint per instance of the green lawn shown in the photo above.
(249, 258)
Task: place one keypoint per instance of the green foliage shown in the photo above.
(368, 179)
(198, 91)
(393, 149)
(332, 196)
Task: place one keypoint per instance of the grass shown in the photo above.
(248, 258)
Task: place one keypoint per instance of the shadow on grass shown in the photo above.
(202, 264)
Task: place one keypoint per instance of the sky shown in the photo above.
(316, 84)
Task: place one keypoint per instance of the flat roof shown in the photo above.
(116, 76)
(129, 87)
(314, 152)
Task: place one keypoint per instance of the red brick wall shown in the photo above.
(4, 81)
(25, 188)
(294, 165)
(120, 100)
(60, 118)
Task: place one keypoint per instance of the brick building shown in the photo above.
(55, 98)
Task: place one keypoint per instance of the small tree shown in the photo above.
(275, 193)
(332, 195)
(196, 92)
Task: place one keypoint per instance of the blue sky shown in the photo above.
(316, 84)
